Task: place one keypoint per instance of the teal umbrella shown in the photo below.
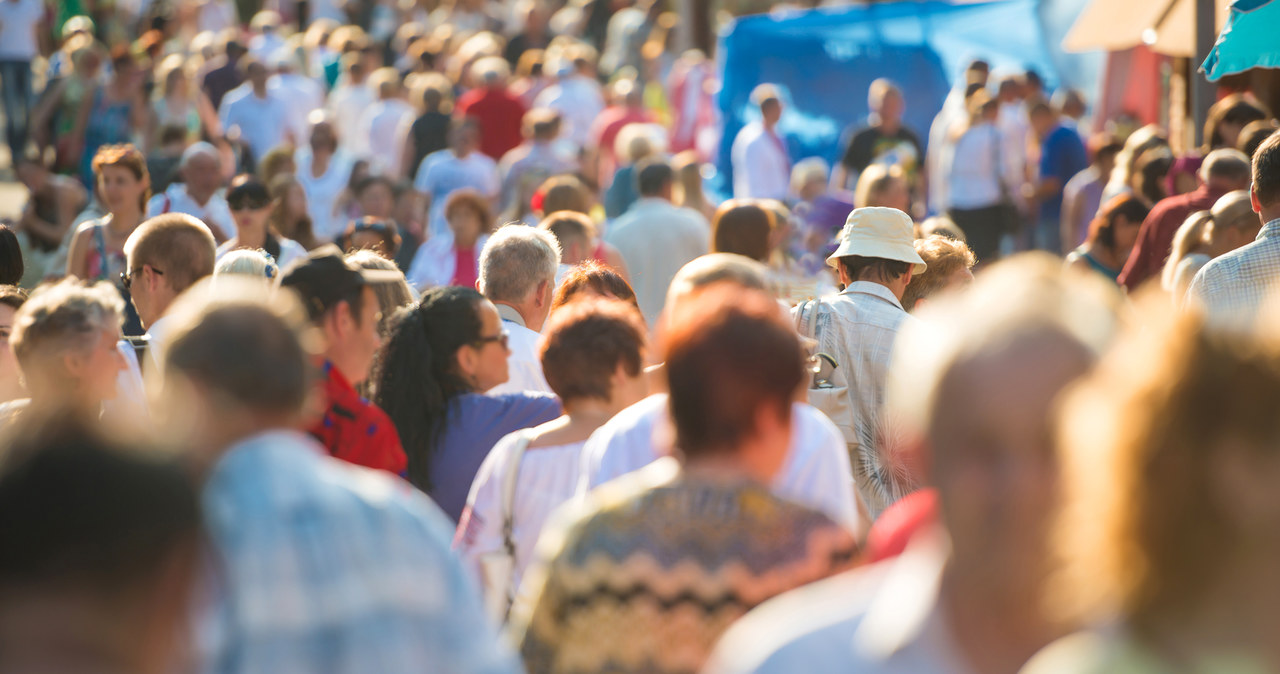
(1247, 41)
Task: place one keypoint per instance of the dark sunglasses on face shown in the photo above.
(126, 277)
(247, 203)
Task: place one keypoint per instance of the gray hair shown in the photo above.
(515, 260)
(1228, 163)
(69, 315)
(256, 264)
(198, 149)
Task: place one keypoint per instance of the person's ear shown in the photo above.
(75, 363)
(467, 360)
(1253, 200)
(546, 290)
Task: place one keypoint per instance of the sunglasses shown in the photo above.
(126, 277)
(501, 338)
(375, 226)
(247, 203)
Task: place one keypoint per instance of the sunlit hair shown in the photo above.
(1102, 228)
(592, 278)
(874, 182)
(1190, 238)
(1144, 524)
(714, 399)
(392, 295)
(744, 227)
(69, 316)
(714, 268)
(944, 256)
(256, 264)
(583, 345)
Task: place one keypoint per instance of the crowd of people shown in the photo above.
(377, 336)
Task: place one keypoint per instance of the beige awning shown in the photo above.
(1166, 26)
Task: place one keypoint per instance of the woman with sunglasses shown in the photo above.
(442, 355)
(251, 209)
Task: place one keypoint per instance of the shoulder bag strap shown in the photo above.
(508, 500)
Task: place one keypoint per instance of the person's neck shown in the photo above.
(200, 196)
(125, 220)
(466, 240)
(525, 313)
(723, 467)
(995, 625)
(581, 418)
(67, 635)
(320, 161)
(251, 237)
(1236, 617)
(260, 93)
(1269, 214)
(890, 126)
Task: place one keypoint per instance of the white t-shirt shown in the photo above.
(523, 365)
(546, 480)
(382, 124)
(817, 472)
(301, 96)
(263, 122)
(348, 102)
(440, 176)
(579, 102)
(18, 21)
(322, 193)
(215, 212)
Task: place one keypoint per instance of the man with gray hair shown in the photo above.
(200, 192)
(518, 274)
(1223, 171)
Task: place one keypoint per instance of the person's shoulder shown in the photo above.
(811, 628)
(534, 403)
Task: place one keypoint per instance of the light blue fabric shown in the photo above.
(322, 566)
(1247, 41)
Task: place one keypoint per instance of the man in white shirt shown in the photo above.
(578, 99)
(656, 237)
(200, 192)
(979, 409)
(300, 93)
(761, 166)
(263, 118)
(383, 122)
(816, 472)
(518, 274)
(166, 255)
(20, 21)
(462, 165)
(347, 103)
(323, 170)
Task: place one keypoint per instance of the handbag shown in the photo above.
(496, 567)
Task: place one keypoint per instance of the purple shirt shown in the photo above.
(476, 423)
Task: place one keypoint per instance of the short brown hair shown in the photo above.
(586, 342)
(728, 353)
(564, 193)
(943, 257)
(469, 198)
(742, 226)
(568, 227)
(125, 156)
(595, 277)
(1266, 170)
(179, 245)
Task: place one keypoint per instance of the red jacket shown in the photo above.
(355, 430)
(1155, 239)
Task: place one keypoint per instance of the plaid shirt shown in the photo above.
(325, 567)
(1233, 286)
(858, 327)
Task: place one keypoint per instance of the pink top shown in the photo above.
(466, 269)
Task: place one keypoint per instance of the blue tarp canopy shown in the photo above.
(824, 60)
(1247, 41)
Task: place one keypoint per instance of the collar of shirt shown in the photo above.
(336, 385)
(873, 289)
(509, 315)
(1269, 230)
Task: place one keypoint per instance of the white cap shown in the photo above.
(886, 233)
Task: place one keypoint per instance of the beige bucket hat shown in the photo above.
(886, 233)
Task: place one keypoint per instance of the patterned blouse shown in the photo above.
(653, 567)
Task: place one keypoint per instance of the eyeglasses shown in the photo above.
(501, 338)
(247, 204)
(126, 278)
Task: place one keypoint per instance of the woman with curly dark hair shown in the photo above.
(442, 355)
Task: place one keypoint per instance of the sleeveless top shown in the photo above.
(104, 264)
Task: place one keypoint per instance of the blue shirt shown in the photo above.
(322, 566)
(475, 424)
(1062, 156)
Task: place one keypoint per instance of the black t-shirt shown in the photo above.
(873, 146)
(430, 133)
